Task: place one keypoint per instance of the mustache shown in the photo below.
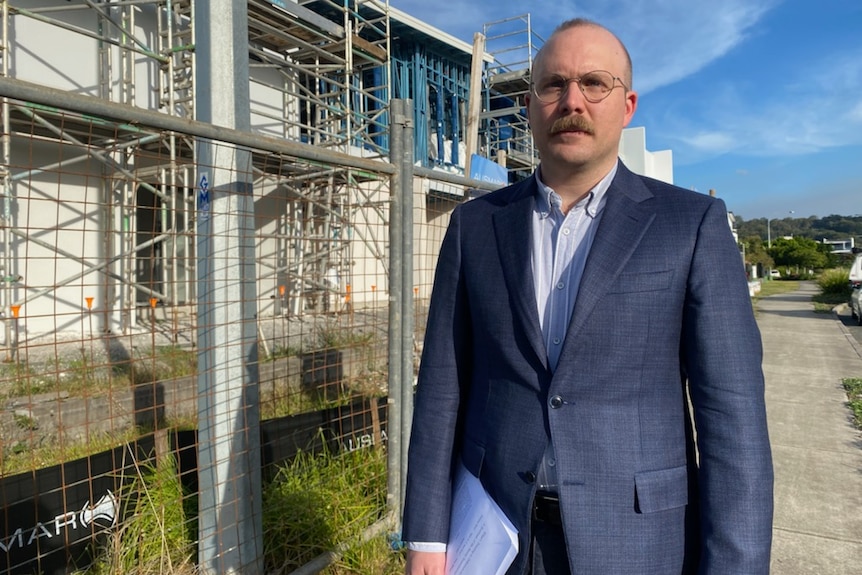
(570, 123)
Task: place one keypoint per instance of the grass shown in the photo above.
(20, 458)
(158, 531)
(319, 501)
(828, 298)
(853, 386)
(82, 375)
(774, 287)
(315, 504)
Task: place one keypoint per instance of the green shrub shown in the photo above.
(835, 281)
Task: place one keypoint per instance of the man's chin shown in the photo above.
(566, 153)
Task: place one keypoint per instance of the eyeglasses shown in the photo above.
(595, 85)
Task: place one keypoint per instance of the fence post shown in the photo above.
(230, 519)
(407, 311)
(394, 478)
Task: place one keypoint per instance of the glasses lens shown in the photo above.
(550, 89)
(596, 85)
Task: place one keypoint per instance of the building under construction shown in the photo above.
(99, 216)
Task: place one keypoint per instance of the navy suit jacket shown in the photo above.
(656, 408)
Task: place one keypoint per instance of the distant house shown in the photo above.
(840, 246)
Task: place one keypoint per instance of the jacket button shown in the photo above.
(556, 402)
(530, 477)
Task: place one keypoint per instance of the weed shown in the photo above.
(279, 352)
(176, 361)
(25, 422)
(331, 336)
(853, 386)
(81, 375)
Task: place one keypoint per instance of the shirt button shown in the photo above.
(556, 402)
(561, 285)
(566, 231)
(556, 341)
(552, 462)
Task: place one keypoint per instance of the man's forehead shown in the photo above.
(597, 48)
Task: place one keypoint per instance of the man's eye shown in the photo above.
(597, 81)
(592, 81)
(553, 84)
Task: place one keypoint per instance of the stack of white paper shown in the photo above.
(482, 540)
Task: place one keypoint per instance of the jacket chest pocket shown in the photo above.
(642, 282)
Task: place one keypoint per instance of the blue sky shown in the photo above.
(759, 99)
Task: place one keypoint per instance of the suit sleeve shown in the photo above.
(442, 376)
(721, 353)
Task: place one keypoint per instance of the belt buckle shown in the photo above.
(546, 508)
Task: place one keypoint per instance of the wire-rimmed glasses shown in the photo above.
(595, 86)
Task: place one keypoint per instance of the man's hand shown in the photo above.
(425, 563)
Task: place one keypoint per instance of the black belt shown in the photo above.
(546, 508)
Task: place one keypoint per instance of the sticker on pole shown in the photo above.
(203, 198)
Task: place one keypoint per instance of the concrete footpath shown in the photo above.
(816, 449)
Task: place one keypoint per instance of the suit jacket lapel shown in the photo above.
(625, 219)
(512, 225)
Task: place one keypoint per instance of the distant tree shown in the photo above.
(799, 252)
(755, 253)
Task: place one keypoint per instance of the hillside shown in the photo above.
(833, 227)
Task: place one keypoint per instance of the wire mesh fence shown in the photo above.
(110, 366)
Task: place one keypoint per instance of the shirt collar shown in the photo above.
(547, 199)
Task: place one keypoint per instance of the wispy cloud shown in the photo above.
(807, 107)
(805, 113)
(672, 39)
(668, 39)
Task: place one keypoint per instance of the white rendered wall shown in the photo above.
(43, 53)
(637, 158)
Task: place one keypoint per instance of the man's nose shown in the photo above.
(573, 99)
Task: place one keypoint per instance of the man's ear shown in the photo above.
(631, 106)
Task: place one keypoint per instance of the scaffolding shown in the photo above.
(104, 189)
(320, 75)
(505, 132)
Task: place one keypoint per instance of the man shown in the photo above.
(585, 326)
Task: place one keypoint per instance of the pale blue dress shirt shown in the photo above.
(561, 244)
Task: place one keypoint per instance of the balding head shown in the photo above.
(585, 23)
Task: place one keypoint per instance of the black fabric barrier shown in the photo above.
(50, 516)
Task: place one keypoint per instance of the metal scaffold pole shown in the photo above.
(230, 520)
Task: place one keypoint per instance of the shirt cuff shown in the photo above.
(426, 546)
